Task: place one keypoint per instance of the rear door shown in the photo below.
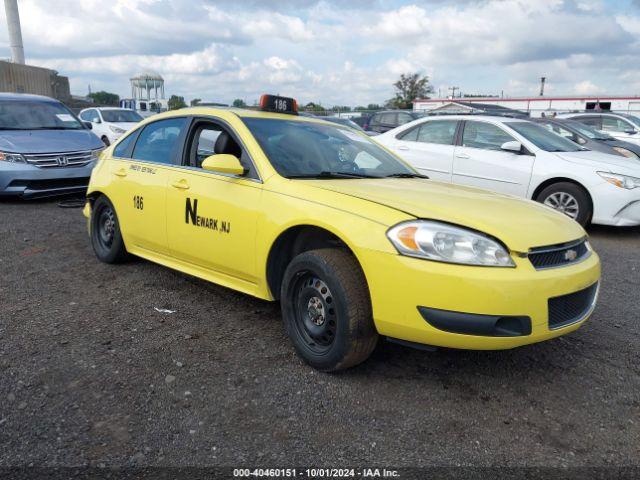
(140, 182)
(479, 160)
(429, 148)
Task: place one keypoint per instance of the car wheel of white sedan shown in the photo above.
(568, 198)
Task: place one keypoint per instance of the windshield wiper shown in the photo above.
(326, 174)
(406, 175)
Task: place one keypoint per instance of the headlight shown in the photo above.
(116, 129)
(622, 181)
(625, 152)
(447, 243)
(95, 154)
(12, 157)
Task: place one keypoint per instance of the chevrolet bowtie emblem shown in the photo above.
(570, 255)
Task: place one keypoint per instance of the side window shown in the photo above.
(158, 141)
(613, 124)
(441, 132)
(594, 122)
(124, 147)
(85, 116)
(409, 136)
(388, 118)
(484, 135)
(404, 118)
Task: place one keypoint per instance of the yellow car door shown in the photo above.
(140, 184)
(211, 216)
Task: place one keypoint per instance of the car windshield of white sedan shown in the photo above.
(543, 138)
(299, 149)
(29, 115)
(121, 116)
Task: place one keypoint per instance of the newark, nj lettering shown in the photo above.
(191, 216)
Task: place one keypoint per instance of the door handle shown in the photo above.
(181, 184)
(121, 172)
(402, 147)
(462, 155)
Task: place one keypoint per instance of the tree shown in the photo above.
(409, 87)
(341, 108)
(314, 107)
(239, 103)
(105, 98)
(374, 106)
(195, 102)
(176, 102)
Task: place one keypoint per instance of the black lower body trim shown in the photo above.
(475, 324)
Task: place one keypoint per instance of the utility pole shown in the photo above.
(542, 80)
(15, 35)
(453, 91)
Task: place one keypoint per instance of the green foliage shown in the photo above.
(105, 98)
(409, 87)
(195, 102)
(176, 102)
(313, 107)
(239, 103)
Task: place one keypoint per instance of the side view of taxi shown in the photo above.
(353, 242)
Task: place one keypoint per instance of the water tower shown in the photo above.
(147, 85)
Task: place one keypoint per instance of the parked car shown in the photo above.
(347, 122)
(590, 138)
(386, 120)
(362, 120)
(109, 123)
(353, 242)
(522, 158)
(44, 149)
(619, 125)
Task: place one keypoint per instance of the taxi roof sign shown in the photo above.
(277, 104)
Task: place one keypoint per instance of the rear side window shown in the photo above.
(124, 147)
(484, 135)
(441, 132)
(158, 142)
(594, 122)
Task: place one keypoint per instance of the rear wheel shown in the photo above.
(327, 310)
(106, 237)
(568, 198)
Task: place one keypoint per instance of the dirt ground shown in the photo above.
(91, 374)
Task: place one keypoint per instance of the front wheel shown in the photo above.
(327, 310)
(106, 237)
(568, 198)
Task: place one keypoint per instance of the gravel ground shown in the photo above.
(91, 374)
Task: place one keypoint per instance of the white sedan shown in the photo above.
(110, 123)
(521, 158)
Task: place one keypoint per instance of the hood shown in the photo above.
(48, 141)
(520, 224)
(603, 161)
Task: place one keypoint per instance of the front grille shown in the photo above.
(559, 255)
(53, 160)
(571, 308)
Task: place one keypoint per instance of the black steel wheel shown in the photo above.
(106, 237)
(327, 310)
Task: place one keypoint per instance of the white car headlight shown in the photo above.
(115, 129)
(623, 151)
(447, 243)
(11, 157)
(622, 181)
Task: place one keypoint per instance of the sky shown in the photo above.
(335, 52)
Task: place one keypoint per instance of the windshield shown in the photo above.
(543, 138)
(633, 119)
(586, 130)
(344, 121)
(120, 116)
(34, 115)
(299, 149)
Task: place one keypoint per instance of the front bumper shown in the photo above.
(28, 181)
(402, 287)
(616, 206)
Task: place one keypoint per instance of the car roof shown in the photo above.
(26, 96)
(462, 116)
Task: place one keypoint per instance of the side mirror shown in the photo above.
(89, 125)
(97, 120)
(630, 132)
(512, 146)
(223, 163)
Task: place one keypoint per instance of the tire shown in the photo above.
(570, 199)
(106, 237)
(105, 140)
(326, 309)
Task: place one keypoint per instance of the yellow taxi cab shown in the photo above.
(353, 242)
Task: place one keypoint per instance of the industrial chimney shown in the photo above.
(542, 80)
(15, 35)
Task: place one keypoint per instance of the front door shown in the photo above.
(480, 161)
(211, 217)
